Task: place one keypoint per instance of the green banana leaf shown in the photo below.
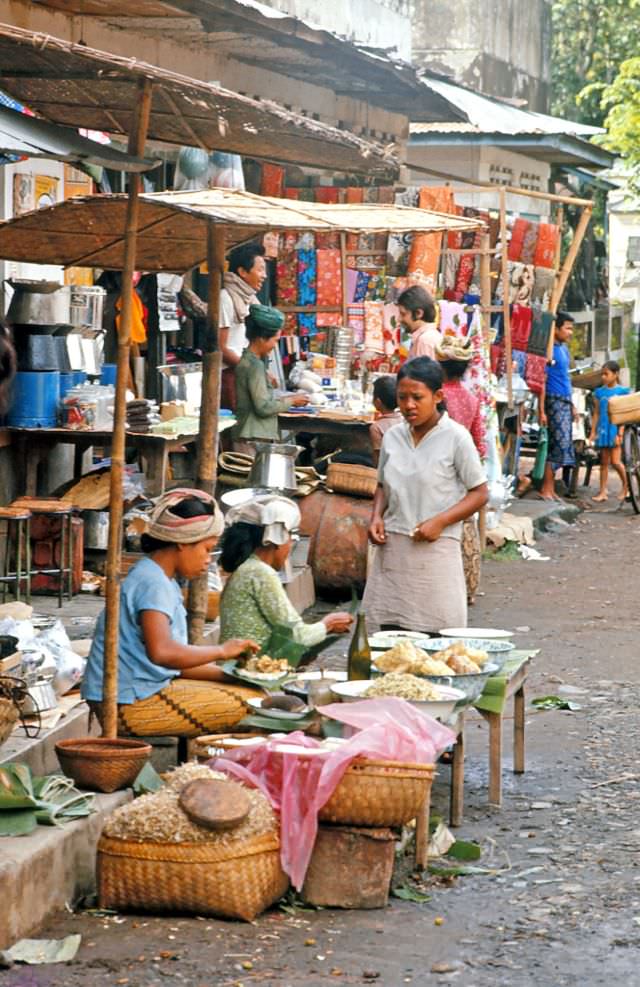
(16, 788)
(26, 801)
(17, 822)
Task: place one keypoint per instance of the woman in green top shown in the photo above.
(255, 547)
(257, 406)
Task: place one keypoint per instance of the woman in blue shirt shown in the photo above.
(167, 686)
(608, 437)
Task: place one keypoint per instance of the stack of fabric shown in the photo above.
(141, 415)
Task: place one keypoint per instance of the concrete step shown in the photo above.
(38, 753)
(49, 869)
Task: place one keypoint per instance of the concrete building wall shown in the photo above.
(500, 47)
(624, 277)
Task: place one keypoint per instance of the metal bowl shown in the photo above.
(479, 644)
(472, 685)
(440, 709)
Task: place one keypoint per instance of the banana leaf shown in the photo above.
(282, 645)
(16, 788)
(17, 822)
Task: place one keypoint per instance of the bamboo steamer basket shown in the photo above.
(237, 880)
(379, 793)
(102, 764)
(346, 478)
(624, 409)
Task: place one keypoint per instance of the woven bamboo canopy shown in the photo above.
(172, 226)
(79, 86)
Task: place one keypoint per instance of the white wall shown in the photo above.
(624, 280)
(379, 23)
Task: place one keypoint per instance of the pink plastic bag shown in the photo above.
(298, 785)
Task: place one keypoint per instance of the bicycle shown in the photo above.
(631, 462)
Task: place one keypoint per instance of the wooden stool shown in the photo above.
(18, 533)
(64, 510)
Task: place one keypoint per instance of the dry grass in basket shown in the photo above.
(158, 818)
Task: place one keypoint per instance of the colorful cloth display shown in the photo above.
(521, 321)
(374, 326)
(544, 280)
(327, 193)
(545, 254)
(424, 257)
(306, 277)
(535, 372)
(540, 331)
(452, 318)
(272, 181)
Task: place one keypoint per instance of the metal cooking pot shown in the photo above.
(233, 498)
(96, 529)
(275, 467)
(86, 305)
(39, 303)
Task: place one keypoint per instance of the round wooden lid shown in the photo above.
(215, 804)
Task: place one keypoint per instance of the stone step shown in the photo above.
(39, 753)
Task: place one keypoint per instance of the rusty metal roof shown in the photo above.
(172, 229)
(79, 86)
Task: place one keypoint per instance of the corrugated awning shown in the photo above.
(81, 87)
(27, 136)
(172, 228)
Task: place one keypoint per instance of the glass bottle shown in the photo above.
(359, 666)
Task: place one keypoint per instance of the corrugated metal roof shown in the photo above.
(172, 226)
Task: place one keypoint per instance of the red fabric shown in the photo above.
(464, 408)
(327, 193)
(465, 274)
(535, 373)
(286, 283)
(328, 241)
(272, 182)
(498, 363)
(424, 257)
(521, 320)
(529, 244)
(518, 233)
(292, 193)
(354, 195)
(545, 255)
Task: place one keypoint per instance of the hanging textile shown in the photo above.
(452, 318)
(477, 377)
(355, 321)
(306, 277)
(540, 331)
(327, 194)
(424, 257)
(545, 255)
(286, 272)
(544, 280)
(399, 244)
(535, 372)
(329, 285)
(374, 326)
(272, 181)
(391, 328)
(521, 319)
(292, 193)
(328, 241)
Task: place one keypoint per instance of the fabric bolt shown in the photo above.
(327, 194)
(541, 328)
(328, 241)
(545, 254)
(329, 277)
(352, 283)
(292, 193)
(146, 587)
(464, 276)
(272, 182)
(521, 282)
(453, 318)
(286, 278)
(607, 431)
(424, 258)
(477, 377)
(362, 286)
(306, 277)
(419, 586)
(391, 328)
(257, 406)
(355, 321)
(535, 373)
(325, 319)
(529, 244)
(307, 323)
(420, 481)
(374, 326)
(464, 407)
(544, 280)
(559, 412)
(521, 321)
(254, 601)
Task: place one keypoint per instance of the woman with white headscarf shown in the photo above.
(255, 546)
(165, 685)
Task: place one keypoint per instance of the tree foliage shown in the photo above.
(590, 41)
(621, 102)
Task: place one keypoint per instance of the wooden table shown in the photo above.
(350, 431)
(32, 445)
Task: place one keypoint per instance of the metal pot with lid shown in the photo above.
(274, 467)
(38, 303)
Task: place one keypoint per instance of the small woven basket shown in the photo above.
(238, 880)
(379, 793)
(8, 718)
(102, 764)
(346, 478)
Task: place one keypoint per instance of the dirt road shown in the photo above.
(564, 905)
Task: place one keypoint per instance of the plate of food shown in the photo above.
(261, 670)
(437, 701)
(452, 666)
(383, 640)
(476, 632)
(469, 644)
(279, 706)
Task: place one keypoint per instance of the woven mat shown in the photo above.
(493, 698)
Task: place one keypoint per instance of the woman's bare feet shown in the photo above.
(600, 498)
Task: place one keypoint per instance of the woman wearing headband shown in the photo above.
(255, 546)
(165, 685)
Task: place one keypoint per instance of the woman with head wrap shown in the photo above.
(165, 685)
(255, 546)
(257, 406)
(454, 355)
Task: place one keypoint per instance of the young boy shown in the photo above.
(384, 401)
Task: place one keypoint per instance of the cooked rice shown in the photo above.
(403, 687)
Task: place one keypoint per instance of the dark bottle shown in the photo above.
(359, 666)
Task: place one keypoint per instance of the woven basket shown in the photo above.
(8, 718)
(624, 409)
(345, 478)
(102, 764)
(238, 880)
(220, 741)
(379, 793)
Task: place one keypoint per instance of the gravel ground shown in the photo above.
(562, 904)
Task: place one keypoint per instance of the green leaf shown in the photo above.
(148, 780)
(463, 850)
(17, 822)
(555, 702)
(407, 893)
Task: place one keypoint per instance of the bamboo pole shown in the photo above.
(343, 269)
(556, 267)
(572, 253)
(209, 409)
(137, 140)
(485, 303)
(506, 313)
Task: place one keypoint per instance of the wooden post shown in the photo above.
(137, 141)
(506, 313)
(209, 409)
(485, 286)
(343, 268)
(572, 253)
(556, 268)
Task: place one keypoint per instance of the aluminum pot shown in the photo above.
(275, 467)
(86, 305)
(233, 498)
(39, 303)
(96, 529)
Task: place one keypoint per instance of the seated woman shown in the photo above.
(166, 686)
(255, 547)
(257, 406)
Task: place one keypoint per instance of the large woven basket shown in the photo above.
(379, 793)
(8, 718)
(624, 409)
(346, 478)
(238, 880)
(218, 742)
(102, 764)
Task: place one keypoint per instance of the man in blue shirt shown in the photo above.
(556, 409)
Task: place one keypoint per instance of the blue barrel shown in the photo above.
(108, 374)
(79, 377)
(71, 378)
(35, 399)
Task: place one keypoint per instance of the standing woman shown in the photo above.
(257, 405)
(430, 479)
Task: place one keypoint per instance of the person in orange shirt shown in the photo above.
(417, 312)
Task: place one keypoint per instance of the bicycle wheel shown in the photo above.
(631, 458)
